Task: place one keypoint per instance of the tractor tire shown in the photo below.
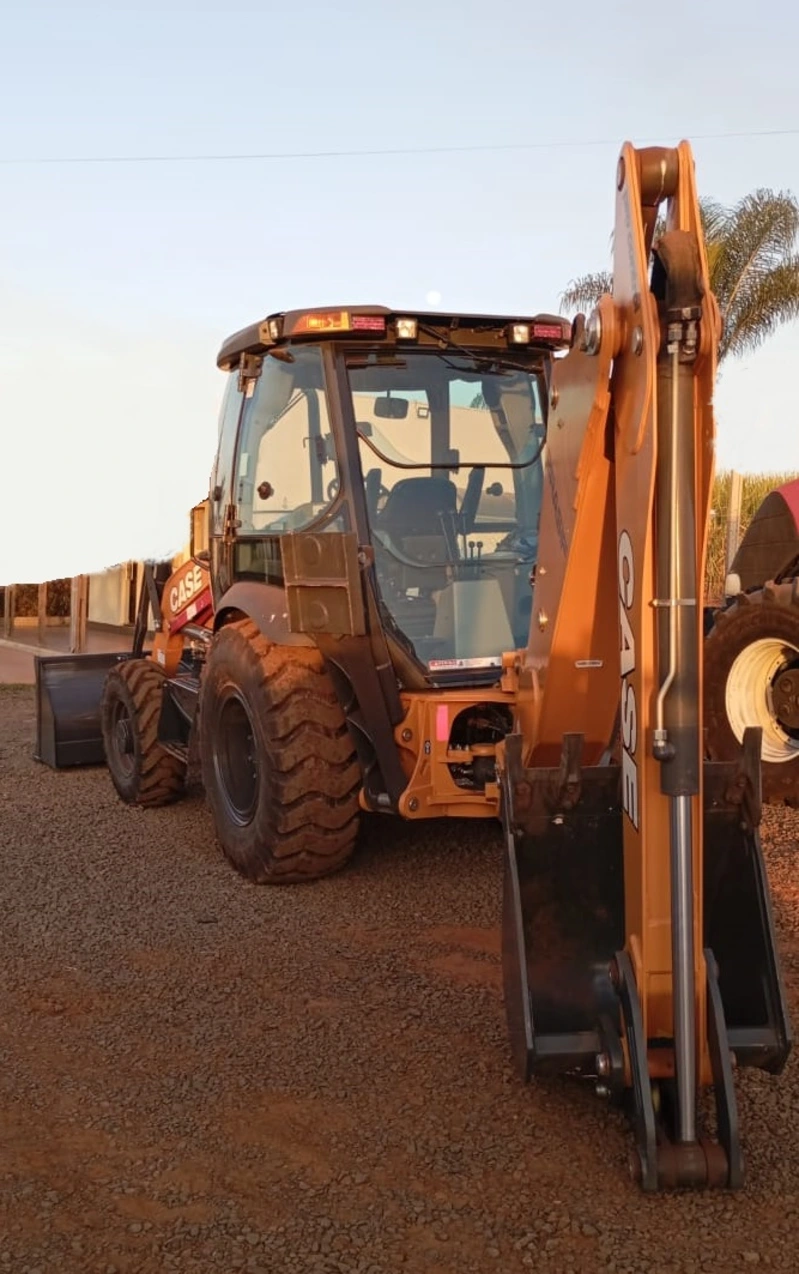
(751, 678)
(141, 771)
(278, 764)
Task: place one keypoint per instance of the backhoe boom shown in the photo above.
(491, 608)
(634, 875)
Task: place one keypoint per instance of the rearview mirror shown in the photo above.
(391, 408)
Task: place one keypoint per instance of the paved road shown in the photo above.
(200, 1074)
(16, 655)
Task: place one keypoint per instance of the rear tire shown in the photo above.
(752, 643)
(279, 768)
(141, 771)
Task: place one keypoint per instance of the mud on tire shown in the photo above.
(278, 764)
(141, 771)
(749, 642)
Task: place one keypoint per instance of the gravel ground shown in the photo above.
(198, 1074)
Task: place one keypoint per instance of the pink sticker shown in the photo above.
(442, 723)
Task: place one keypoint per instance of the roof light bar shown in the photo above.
(333, 321)
(320, 322)
(551, 331)
(367, 323)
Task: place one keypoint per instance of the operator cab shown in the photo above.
(422, 433)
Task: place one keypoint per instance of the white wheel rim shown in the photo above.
(748, 697)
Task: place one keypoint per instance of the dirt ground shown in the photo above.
(16, 666)
(198, 1074)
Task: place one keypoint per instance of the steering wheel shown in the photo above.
(332, 489)
(467, 515)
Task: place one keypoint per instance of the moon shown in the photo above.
(433, 297)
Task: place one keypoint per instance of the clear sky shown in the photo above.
(120, 280)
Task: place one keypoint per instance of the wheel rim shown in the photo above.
(123, 739)
(760, 683)
(235, 763)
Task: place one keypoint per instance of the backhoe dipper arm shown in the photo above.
(603, 786)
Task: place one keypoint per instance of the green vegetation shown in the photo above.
(753, 265)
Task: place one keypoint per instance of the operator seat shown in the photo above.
(418, 520)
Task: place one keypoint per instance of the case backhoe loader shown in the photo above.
(455, 565)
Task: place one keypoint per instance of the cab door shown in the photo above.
(222, 513)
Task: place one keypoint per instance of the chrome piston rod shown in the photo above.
(676, 735)
(682, 942)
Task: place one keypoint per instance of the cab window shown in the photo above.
(287, 474)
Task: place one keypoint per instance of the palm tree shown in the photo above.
(753, 263)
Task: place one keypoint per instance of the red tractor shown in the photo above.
(752, 648)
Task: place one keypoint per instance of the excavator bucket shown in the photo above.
(570, 996)
(69, 691)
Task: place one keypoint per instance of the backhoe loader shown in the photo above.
(455, 564)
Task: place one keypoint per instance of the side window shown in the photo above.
(226, 450)
(286, 469)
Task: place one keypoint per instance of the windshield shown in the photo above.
(451, 446)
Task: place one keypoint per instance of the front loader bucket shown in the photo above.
(69, 690)
(570, 997)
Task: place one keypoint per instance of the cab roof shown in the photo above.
(547, 332)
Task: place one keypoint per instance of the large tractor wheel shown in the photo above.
(751, 674)
(141, 771)
(278, 764)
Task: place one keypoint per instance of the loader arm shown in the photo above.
(634, 875)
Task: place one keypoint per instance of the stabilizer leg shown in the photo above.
(518, 1005)
(563, 909)
(661, 1160)
(723, 1082)
(572, 1003)
(644, 1158)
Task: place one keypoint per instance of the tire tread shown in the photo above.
(311, 812)
(768, 611)
(161, 776)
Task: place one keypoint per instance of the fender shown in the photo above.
(265, 605)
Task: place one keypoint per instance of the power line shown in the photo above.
(276, 156)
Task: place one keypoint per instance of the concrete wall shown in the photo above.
(108, 595)
(110, 591)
